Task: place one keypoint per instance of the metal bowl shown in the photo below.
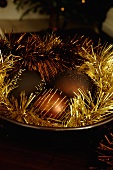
(45, 128)
(54, 135)
(78, 137)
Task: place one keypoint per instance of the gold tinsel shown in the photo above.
(99, 66)
(6, 85)
(85, 109)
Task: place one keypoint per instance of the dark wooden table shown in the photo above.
(25, 156)
(31, 149)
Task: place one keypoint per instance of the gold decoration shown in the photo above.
(6, 85)
(25, 112)
(85, 109)
(98, 65)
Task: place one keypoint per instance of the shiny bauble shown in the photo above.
(71, 81)
(52, 104)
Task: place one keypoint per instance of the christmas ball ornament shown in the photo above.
(29, 82)
(52, 104)
(71, 81)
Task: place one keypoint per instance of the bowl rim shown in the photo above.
(46, 128)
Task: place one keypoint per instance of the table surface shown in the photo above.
(22, 156)
(29, 150)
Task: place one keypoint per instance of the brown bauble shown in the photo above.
(29, 82)
(52, 104)
(69, 82)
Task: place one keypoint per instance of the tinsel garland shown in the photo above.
(50, 55)
(105, 150)
(6, 85)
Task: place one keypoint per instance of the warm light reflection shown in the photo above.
(83, 1)
(62, 9)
